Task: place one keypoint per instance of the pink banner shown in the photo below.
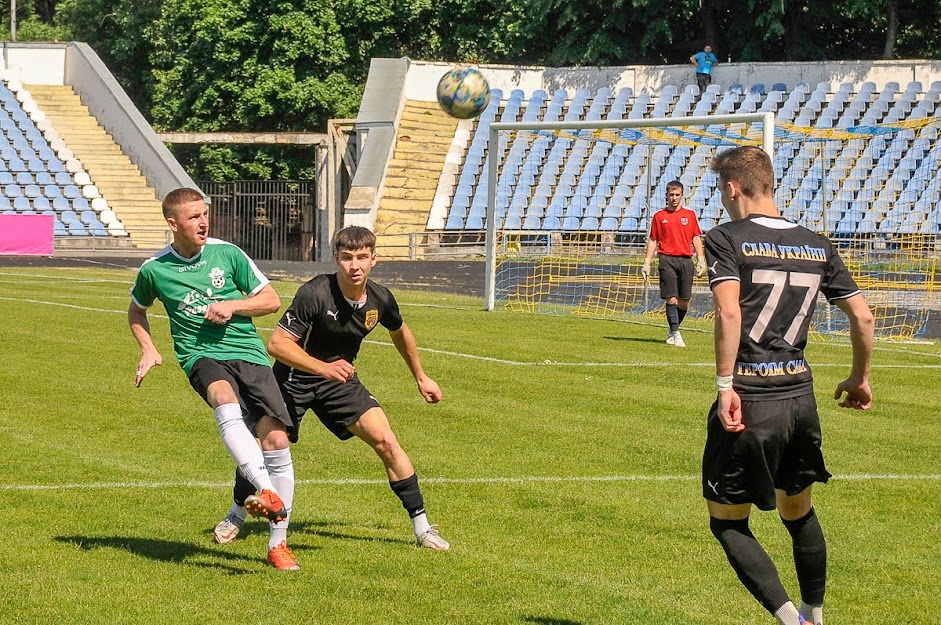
(26, 235)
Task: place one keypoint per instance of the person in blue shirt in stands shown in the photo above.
(704, 61)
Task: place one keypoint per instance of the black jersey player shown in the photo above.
(763, 434)
(315, 344)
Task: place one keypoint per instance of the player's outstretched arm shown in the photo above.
(264, 302)
(856, 387)
(404, 342)
(140, 328)
(284, 346)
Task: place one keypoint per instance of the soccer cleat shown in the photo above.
(433, 540)
(266, 504)
(281, 558)
(671, 338)
(678, 339)
(227, 530)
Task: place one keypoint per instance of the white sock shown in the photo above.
(420, 523)
(239, 513)
(813, 613)
(240, 442)
(787, 614)
(281, 469)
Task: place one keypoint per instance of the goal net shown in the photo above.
(568, 219)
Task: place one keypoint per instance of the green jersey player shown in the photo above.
(211, 290)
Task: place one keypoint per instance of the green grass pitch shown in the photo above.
(562, 465)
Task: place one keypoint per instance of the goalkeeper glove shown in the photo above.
(700, 267)
(645, 270)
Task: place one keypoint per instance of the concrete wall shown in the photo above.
(383, 102)
(35, 63)
(423, 77)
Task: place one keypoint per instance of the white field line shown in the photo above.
(503, 361)
(526, 479)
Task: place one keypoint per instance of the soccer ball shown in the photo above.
(463, 93)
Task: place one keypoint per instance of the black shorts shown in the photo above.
(254, 385)
(778, 449)
(676, 276)
(336, 404)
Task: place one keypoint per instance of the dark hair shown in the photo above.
(675, 184)
(353, 238)
(749, 166)
(177, 198)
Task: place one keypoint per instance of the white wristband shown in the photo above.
(724, 382)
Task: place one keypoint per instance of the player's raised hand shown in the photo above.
(429, 390)
(338, 370)
(148, 361)
(858, 394)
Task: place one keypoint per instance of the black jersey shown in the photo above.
(328, 327)
(781, 267)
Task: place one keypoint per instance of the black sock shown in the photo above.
(409, 493)
(673, 317)
(810, 557)
(242, 489)
(680, 315)
(751, 563)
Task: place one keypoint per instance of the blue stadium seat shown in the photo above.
(551, 222)
(21, 203)
(41, 203)
(532, 222)
(609, 224)
(455, 222)
(76, 228)
(71, 191)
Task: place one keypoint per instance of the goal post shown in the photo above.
(567, 205)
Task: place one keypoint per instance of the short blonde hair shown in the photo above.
(177, 198)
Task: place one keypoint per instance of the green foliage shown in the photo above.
(119, 31)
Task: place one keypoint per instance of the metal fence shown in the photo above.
(269, 219)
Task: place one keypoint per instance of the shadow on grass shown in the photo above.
(633, 339)
(163, 551)
(546, 620)
(320, 528)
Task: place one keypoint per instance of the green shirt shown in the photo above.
(220, 271)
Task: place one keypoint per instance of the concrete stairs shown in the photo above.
(422, 142)
(117, 178)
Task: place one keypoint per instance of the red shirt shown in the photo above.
(674, 231)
